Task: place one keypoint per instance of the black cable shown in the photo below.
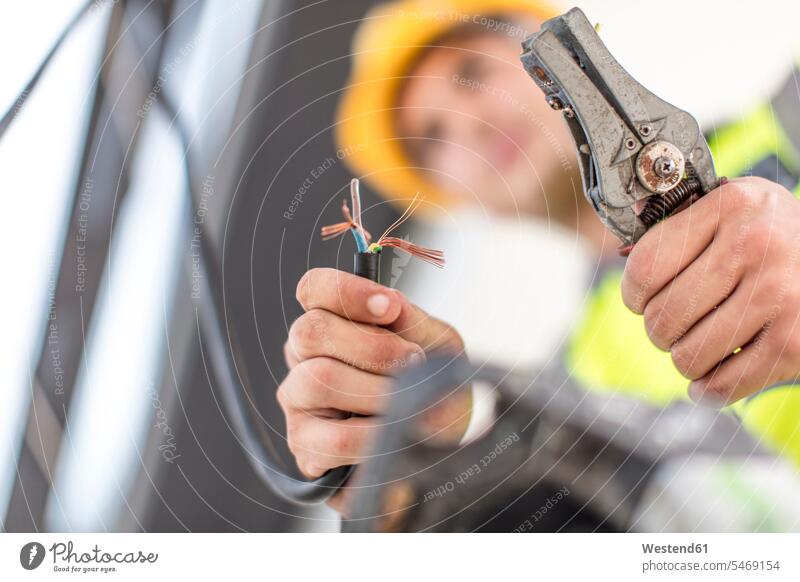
(421, 387)
(239, 399)
(367, 265)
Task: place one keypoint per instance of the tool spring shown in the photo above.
(657, 208)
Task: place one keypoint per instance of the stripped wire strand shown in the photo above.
(431, 256)
(415, 203)
(334, 230)
(352, 222)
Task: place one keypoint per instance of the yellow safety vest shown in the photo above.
(610, 349)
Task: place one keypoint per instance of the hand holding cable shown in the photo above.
(354, 336)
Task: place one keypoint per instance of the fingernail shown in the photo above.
(700, 395)
(415, 359)
(378, 305)
(695, 391)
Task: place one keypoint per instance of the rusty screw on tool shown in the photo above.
(659, 166)
(664, 166)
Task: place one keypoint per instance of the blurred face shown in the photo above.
(475, 119)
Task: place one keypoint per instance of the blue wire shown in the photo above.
(361, 242)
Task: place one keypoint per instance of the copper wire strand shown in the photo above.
(334, 230)
(431, 256)
(353, 221)
(415, 203)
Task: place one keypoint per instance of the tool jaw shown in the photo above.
(631, 144)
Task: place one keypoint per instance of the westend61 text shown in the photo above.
(673, 549)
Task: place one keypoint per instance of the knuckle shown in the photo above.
(638, 270)
(759, 238)
(301, 459)
(791, 298)
(389, 348)
(307, 330)
(293, 437)
(297, 334)
(635, 283)
(289, 394)
(318, 373)
(657, 324)
(739, 197)
(288, 352)
(767, 192)
(724, 260)
(317, 322)
(386, 350)
(784, 249)
(792, 347)
(454, 342)
(734, 250)
(775, 287)
(314, 377)
(293, 448)
(305, 391)
(303, 288)
(767, 289)
(342, 442)
(309, 469)
(282, 398)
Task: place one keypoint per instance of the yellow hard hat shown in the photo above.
(386, 45)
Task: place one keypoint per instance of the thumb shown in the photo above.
(430, 333)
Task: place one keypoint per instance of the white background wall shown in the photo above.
(710, 57)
